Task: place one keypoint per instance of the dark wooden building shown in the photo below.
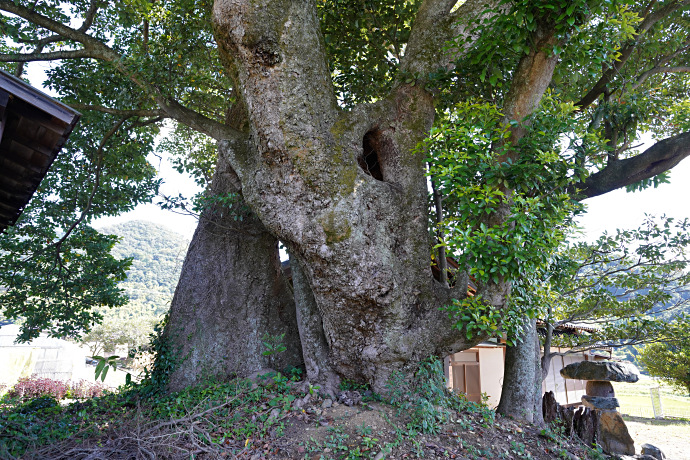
(33, 129)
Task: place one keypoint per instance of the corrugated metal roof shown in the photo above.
(33, 129)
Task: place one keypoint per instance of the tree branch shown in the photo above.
(52, 56)
(150, 121)
(99, 50)
(649, 20)
(119, 112)
(661, 157)
(641, 79)
(661, 62)
(532, 76)
(64, 31)
(90, 15)
(42, 43)
(88, 21)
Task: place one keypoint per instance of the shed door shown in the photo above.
(465, 371)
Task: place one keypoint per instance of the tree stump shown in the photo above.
(549, 407)
(585, 424)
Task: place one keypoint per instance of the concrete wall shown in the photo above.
(491, 373)
(44, 357)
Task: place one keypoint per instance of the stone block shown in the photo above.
(602, 370)
(599, 388)
(613, 435)
(600, 402)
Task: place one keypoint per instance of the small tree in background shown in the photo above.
(114, 331)
(668, 361)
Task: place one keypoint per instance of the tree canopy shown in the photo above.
(628, 288)
(630, 283)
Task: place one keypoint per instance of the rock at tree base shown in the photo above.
(600, 402)
(602, 370)
(599, 388)
(653, 451)
(349, 398)
(613, 435)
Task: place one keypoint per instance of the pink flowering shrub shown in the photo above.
(83, 389)
(33, 387)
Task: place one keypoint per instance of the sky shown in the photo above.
(617, 209)
(174, 184)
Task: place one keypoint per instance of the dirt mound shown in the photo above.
(273, 420)
(375, 430)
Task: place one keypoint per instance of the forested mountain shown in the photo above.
(157, 255)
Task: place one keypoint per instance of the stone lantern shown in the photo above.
(612, 434)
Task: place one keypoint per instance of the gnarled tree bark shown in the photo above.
(357, 223)
(231, 295)
(345, 191)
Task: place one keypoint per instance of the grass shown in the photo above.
(224, 414)
(635, 399)
(670, 435)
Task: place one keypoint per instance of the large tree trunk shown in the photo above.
(511, 398)
(345, 192)
(231, 295)
(521, 397)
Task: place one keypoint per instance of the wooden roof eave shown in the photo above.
(39, 99)
(26, 158)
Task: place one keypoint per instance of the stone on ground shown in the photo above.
(653, 451)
